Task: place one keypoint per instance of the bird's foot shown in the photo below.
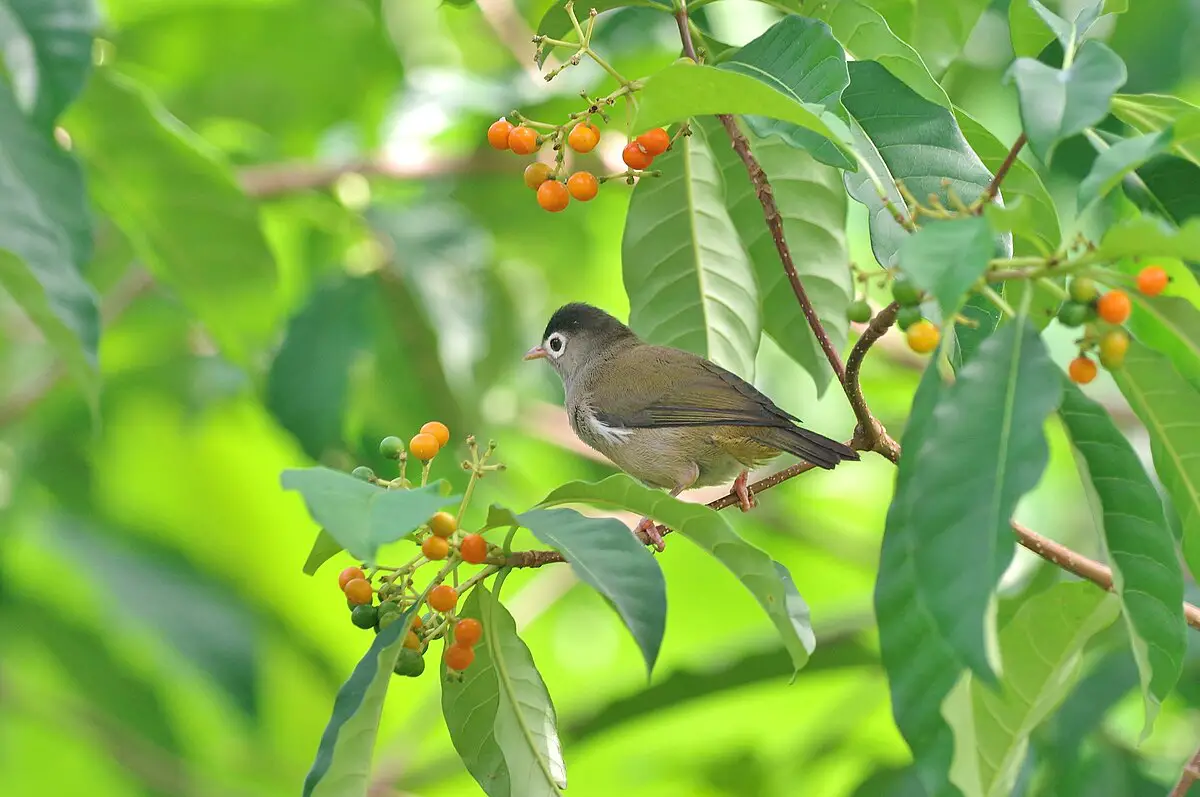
(746, 499)
(650, 528)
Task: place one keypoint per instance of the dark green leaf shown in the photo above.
(342, 767)
(362, 516)
(689, 280)
(610, 560)
(47, 53)
(946, 259)
(1166, 404)
(180, 207)
(1033, 26)
(916, 142)
(1152, 113)
(705, 527)
(1146, 572)
(1167, 186)
(1117, 161)
(812, 204)
(986, 316)
(1059, 103)
(324, 548)
(500, 716)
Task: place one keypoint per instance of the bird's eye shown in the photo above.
(556, 344)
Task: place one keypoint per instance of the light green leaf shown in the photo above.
(1151, 113)
(1060, 103)
(1042, 648)
(557, 24)
(758, 573)
(500, 716)
(181, 208)
(1166, 404)
(946, 259)
(812, 204)
(938, 30)
(362, 516)
(683, 90)
(1033, 26)
(324, 548)
(1120, 159)
(1146, 236)
(610, 560)
(689, 281)
(46, 48)
(1170, 325)
(1146, 572)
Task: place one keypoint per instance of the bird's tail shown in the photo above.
(810, 446)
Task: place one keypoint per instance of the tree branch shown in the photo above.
(870, 434)
(1190, 774)
(993, 188)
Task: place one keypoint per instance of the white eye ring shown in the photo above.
(556, 344)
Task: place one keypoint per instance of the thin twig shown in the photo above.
(1190, 774)
(870, 436)
(993, 188)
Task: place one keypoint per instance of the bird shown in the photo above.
(667, 417)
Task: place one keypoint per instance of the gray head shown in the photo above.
(577, 333)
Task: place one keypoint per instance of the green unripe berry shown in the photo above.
(1083, 290)
(1072, 314)
(363, 472)
(409, 663)
(907, 316)
(391, 447)
(905, 293)
(364, 616)
(859, 311)
(389, 613)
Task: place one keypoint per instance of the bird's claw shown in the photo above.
(746, 499)
(650, 528)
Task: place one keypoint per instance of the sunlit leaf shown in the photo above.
(47, 53)
(764, 578)
(1033, 26)
(1117, 161)
(1146, 236)
(1152, 113)
(946, 259)
(689, 280)
(609, 559)
(1146, 572)
(938, 30)
(324, 548)
(1170, 325)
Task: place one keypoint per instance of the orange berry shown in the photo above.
(1114, 306)
(443, 598)
(1081, 370)
(467, 632)
(923, 337)
(435, 548)
(443, 524)
(583, 137)
(1152, 280)
(655, 141)
(358, 591)
(423, 446)
(498, 133)
(412, 641)
(635, 157)
(438, 430)
(348, 575)
(536, 173)
(553, 196)
(523, 140)
(473, 549)
(459, 657)
(583, 186)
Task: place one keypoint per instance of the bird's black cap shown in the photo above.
(578, 316)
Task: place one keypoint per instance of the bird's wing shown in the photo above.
(677, 388)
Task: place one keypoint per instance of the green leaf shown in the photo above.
(1059, 103)
(764, 578)
(1120, 159)
(45, 240)
(324, 548)
(938, 30)
(1033, 26)
(606, 557)
(911, 140)
(946, 259)
(342, 767)
(181, 208)
(362, 516)
(683, 90)
(1042, 649)
(800, 58)
(1146, 236)
(812, 204)
(1141, 547)
(46, 47)
(1169, 187)
(500, 716)
(1170, 325)
(1166, 404)
(1152, 113)
(556, 23)
(689, 281)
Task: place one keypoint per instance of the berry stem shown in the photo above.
(425, 471)
(1053, 287)
(990, 294)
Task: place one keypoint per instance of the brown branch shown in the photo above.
(870, 434)
(993, 188)
(1190, 774)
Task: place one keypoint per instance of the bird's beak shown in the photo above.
(536, 353)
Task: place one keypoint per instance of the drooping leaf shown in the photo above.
(1146, 572)
(758, 573)
(1041, 647)
(180, 207)
(689, 280)
(1119, 160)
(610, 560)
(683, 90)
(946, 259)
(47, 53)
(500, 716)
(1033, 26)
(812, 204)
(916, 142)
(324, 548)
(362, 516)
(45, 240)
(556, 23)
(1059, 103)
(1153, 113)
(1166, 403)
(342, 766)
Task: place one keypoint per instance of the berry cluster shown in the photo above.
(380, 595)
(1102, 316)
(922, 335)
